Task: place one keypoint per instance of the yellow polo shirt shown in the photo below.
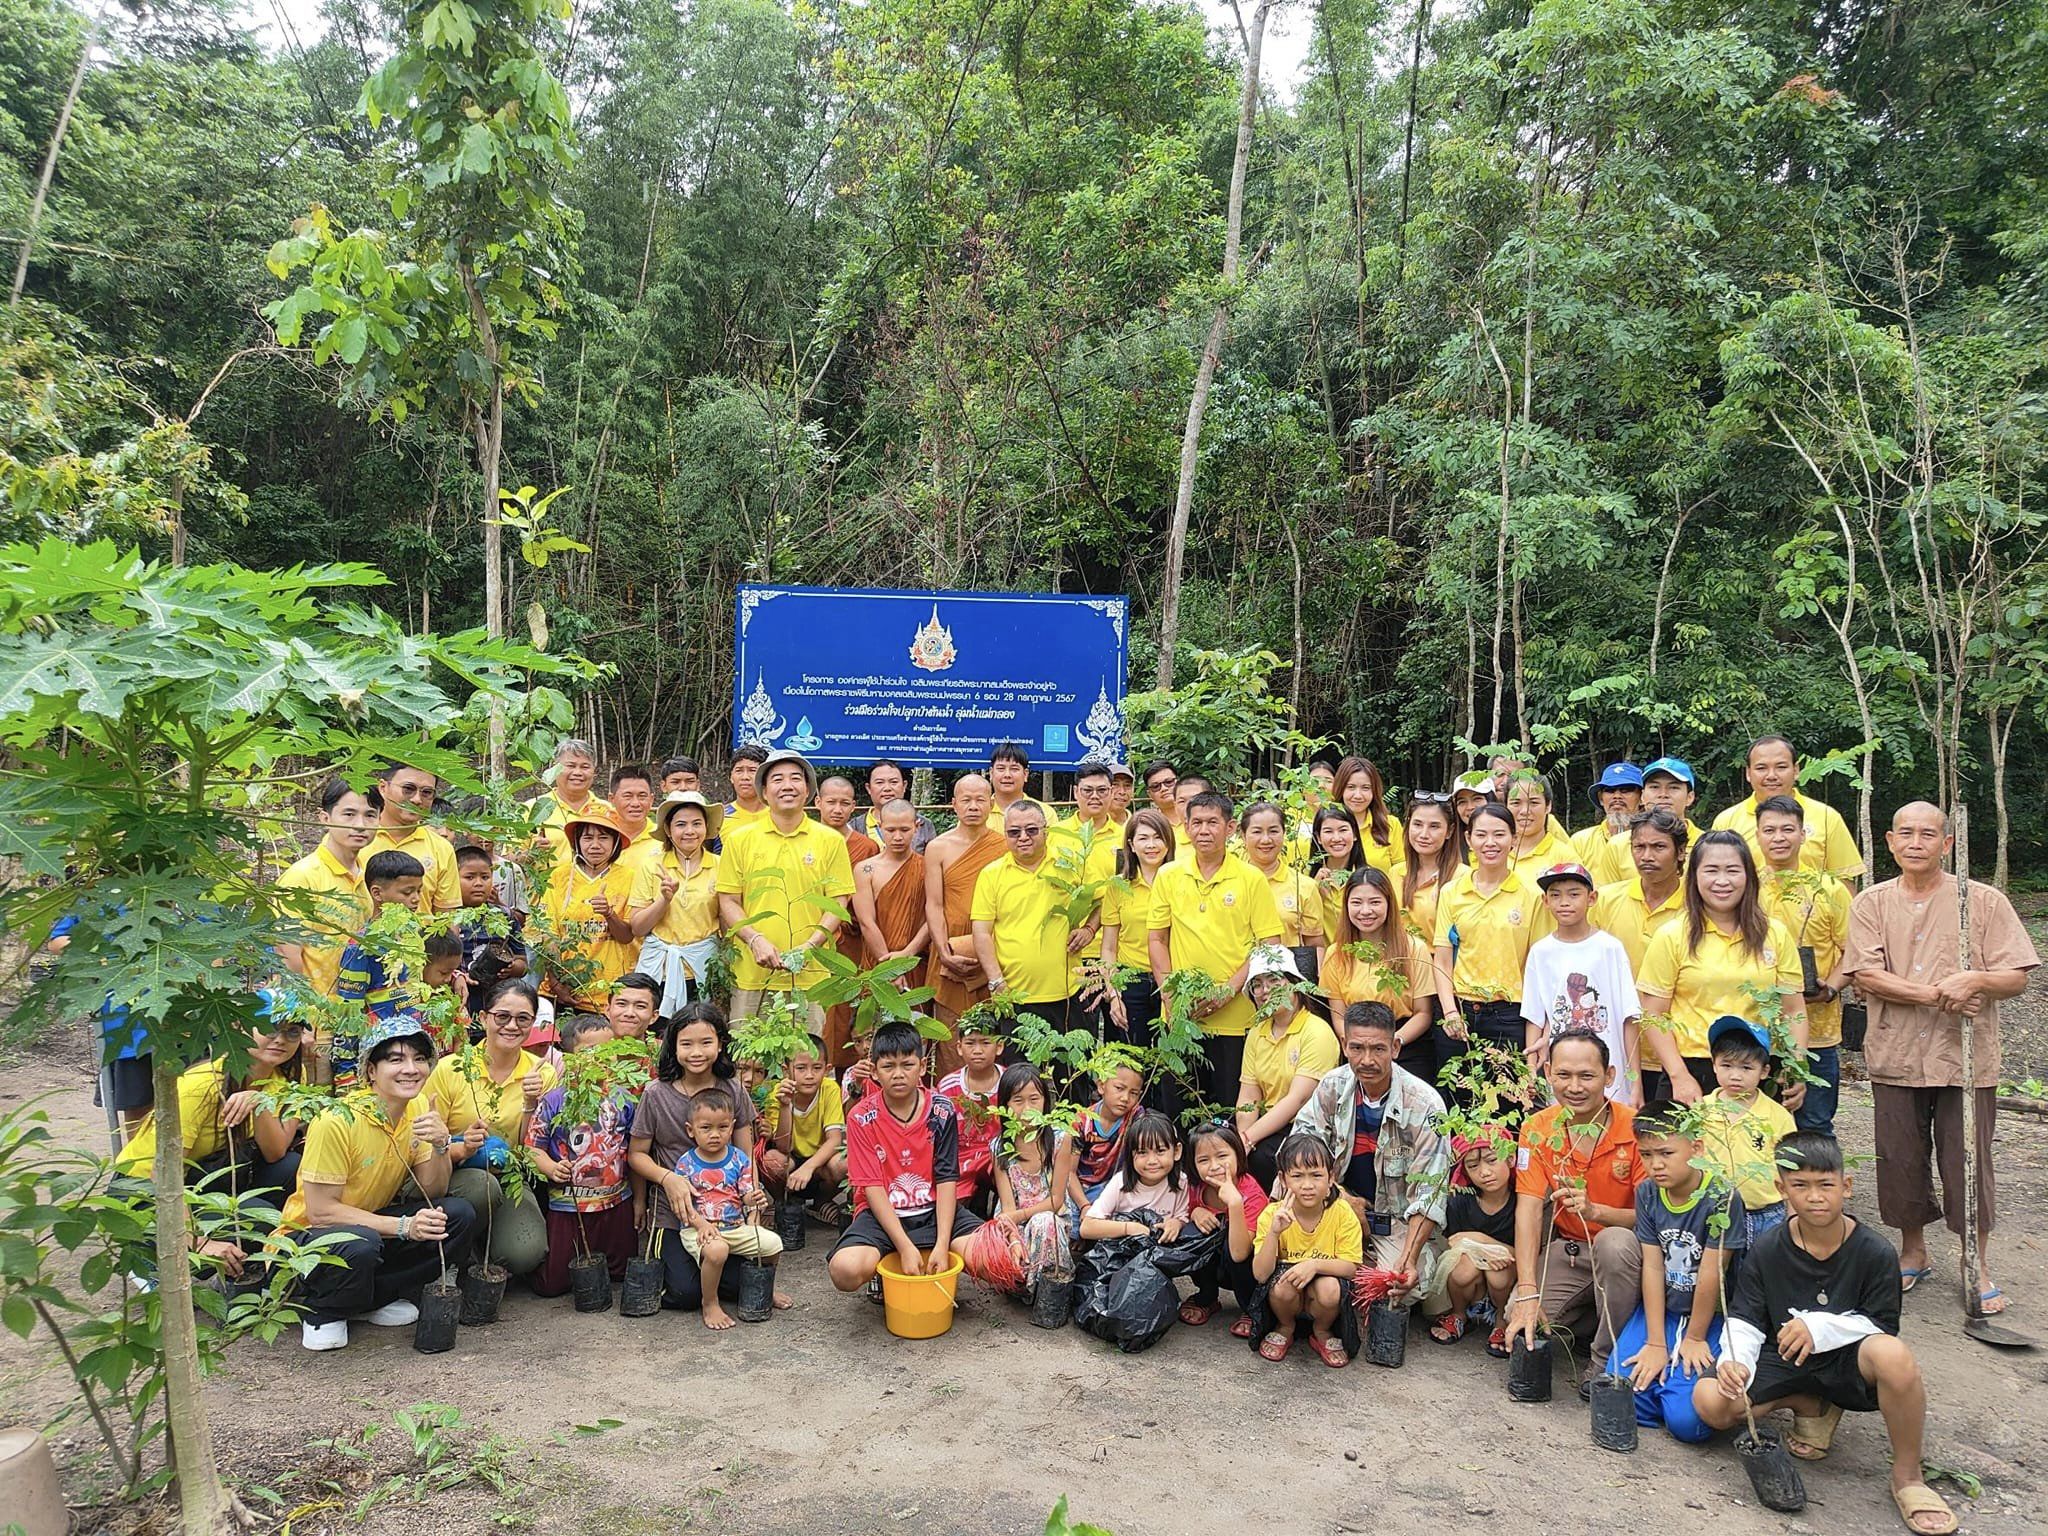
(441, 890)
(200, 1091)
(1551, 849)
(567, 901)
(1617, 862)
(641, 850)
(1814, 907)
(499, 1106)
(1128, 905)
(737, 821)
(1829, 846)
(1705, 983)
(1299, 902)
(365, 1154)
(553, 818)
(1588, 842)
(783, 881)
(1021, 907)
(1383, 857)
(344, 911)
(1493, 934)
(1622, 910)
(1213, 925)
(1308, 1049)
(693, 911)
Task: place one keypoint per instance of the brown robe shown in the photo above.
(899, 912)
(839, 1017)
(952, 998)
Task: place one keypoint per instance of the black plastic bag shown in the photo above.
(1123, 1286)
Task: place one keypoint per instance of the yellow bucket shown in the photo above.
(918, 1306)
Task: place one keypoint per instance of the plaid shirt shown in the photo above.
(1412, 1165)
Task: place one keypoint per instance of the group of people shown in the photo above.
(1459, 1057)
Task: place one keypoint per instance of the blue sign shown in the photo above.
(932, 679)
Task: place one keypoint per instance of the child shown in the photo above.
(1318, 1240)
(858, 1080)
(1813, 1326)
(1224, 1195)
(1687, 1226)
(903, 1157)
(1578, 977)
(363, 979)
(1039, 1161)
(808, 1156)
(1480, 1218)
(1743, 1124)
(721, 1198)
(585, 1166)
(974, 1088)
(1148, 1178)
(486, 958)
(444, 974)
(1099, 1133)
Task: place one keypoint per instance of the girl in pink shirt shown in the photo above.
(1224, 1195)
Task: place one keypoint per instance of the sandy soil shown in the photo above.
(820, 1421)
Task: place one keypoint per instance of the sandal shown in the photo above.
(1497, 1343)
(1242, 1328)
(1196, 1313)
(1908, 1278)
(1448, 1329)
(1274, 1347)
(1330, 1352)
(1916, 1499)
(1811, 1437)
(1990, 1302)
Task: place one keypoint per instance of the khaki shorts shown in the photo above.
(748, 1242)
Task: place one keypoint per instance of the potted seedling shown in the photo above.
(767, 1041)
(594, 1083)
(640, 1292)
(483, 1282)
(440, 1300)
(1610, 1393)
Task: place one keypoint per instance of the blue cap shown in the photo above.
(1676, 767)
(1734, 1024)
(1617, 776)
(399, 1026)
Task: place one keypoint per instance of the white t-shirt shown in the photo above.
(1587, 985)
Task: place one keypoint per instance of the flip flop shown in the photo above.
(1274, 1346)
(1196, 1313)
(1325, 1349)
(1497, 1343)
(1919, 1499)
(1811, 1437)
(1991, 1302)
(1908, 1278)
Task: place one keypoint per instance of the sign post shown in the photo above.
(931, 679)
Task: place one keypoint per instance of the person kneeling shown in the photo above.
(1814, 1327)
(357, 1157)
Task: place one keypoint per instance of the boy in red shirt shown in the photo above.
(973, 1090)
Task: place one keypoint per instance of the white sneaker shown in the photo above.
(324, 1335)
(393, 1314)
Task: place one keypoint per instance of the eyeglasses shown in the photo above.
(1428, 797)
(507, 1020)
(1023, 834)
(426, 793)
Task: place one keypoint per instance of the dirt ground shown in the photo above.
(819, 1421)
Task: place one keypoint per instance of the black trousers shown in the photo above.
(1223, 1271)
(682, 1288)
(375, 1269)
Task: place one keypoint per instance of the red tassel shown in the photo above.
(1371, 1285)
(993, 1254)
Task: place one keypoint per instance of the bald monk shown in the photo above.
(888, 894)
(836, 802)
(952, 862)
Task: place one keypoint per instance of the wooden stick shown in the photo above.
(1973, 1301)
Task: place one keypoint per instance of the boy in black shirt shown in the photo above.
(1814, 1327)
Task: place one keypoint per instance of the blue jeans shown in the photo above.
(1817, 1113)
(1669, 1401)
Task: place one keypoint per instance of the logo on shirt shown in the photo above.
(1230, 898)
(1514, 917)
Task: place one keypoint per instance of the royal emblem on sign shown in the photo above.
(931, 648)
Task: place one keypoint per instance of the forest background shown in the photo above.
(1611, 375)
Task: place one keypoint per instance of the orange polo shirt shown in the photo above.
(1545, 1157)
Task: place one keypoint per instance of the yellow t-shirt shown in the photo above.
(1308, 1049)
(363, 1153)
(1299, 901)
(784, 880)
(567, 901)
(344, 910)
(1830, 846)
(1707, 982)
(1743, 1140)
(200, 1090)
(1624, 911)
(807, 1126)
(693, 911)
(1130, 910)
(1814, 907)
(1022, 908)
(498, 1105)
(1382, 856)
(1493, 934)
(1336, 1236)
(1213, 926)
(441, 889)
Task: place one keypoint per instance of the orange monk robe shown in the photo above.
(953, 998)
(899, 913)
(839, 1017)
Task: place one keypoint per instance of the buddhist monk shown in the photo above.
(888, 894)
(952, 862)
(836, 802)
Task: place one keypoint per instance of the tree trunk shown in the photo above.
(490, 445)
(49, 173)
(1663, 585)
(1408, 144)
(202, 1499)
(1205, 375)
(2001, 738)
